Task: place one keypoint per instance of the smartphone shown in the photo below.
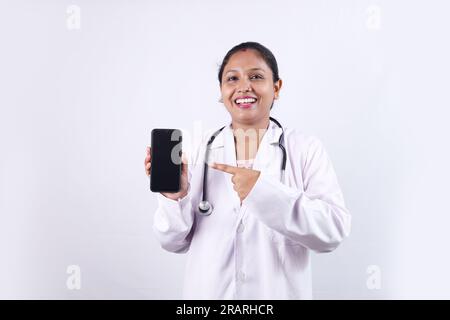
(165, 172)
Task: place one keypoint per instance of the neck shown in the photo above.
(248, 137)
(260, 125)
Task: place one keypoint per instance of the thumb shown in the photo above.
(184, 162)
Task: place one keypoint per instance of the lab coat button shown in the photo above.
(236, 209)
(240, 228)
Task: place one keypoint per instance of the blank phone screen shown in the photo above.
(166, 160)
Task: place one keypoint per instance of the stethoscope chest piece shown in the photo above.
(205, 208)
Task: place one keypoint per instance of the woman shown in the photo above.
(256, 244)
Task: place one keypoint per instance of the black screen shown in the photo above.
(166, 160)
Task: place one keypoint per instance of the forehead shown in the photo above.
(246, 59)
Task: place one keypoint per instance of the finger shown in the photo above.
(148, 155)
(184, 158)
(224, 167)
(148, 166)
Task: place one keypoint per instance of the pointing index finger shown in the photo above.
(224, 167)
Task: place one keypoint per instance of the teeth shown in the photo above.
(247, 100)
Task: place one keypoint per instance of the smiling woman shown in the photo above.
(252, 238)
(249, 84)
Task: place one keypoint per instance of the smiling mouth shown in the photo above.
(245, 102)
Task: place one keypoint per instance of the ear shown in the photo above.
(277, 87)
(220, 90)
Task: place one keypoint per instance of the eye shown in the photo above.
(256, 76)
(232, 78)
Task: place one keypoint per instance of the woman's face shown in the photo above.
(247, 88)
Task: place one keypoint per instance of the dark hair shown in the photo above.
(265, 53)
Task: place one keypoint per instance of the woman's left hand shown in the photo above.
(243, 179)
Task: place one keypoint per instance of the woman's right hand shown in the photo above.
(184, 177)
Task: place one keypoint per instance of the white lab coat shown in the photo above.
(260, 249)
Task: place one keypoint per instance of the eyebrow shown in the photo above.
(252, 69)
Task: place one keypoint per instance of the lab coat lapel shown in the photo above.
(268, 158)
(230, 159)
(224, 151)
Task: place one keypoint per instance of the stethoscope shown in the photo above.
(205, 208)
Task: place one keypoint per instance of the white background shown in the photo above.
(369, 78)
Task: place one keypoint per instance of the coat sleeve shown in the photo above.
(315, 217)
(174, 219)
(172, 223)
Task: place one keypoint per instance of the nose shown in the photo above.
(244, 86)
